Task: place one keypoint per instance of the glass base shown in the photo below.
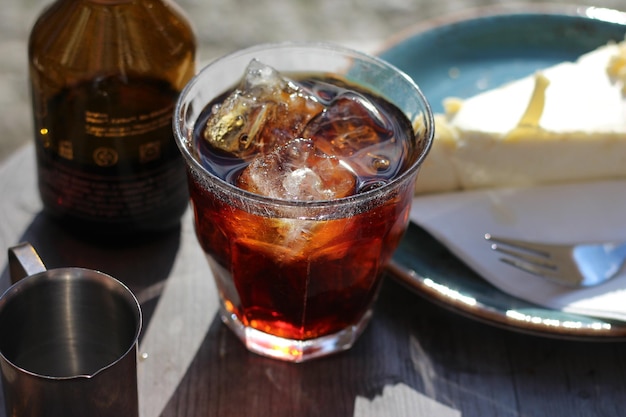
(291, 350)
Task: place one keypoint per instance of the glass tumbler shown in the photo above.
(297, 279)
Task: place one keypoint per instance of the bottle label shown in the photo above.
(104, 199)
(104, 126)
(106, 153)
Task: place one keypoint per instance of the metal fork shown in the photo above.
(575, 265)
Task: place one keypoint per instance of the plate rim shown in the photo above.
(488, 315)
(501, 10)
(480, 312)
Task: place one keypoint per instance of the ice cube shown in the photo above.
(298, 170)
(353, 129)
(266, 110)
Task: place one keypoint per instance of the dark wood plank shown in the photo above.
(475, 368)
(469, 366)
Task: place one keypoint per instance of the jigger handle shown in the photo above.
(24, 261)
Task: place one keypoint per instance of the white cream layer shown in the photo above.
(578, 134)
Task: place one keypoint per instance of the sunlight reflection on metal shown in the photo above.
(570, 324)
(448, 292)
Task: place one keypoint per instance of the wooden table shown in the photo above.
(474, 368)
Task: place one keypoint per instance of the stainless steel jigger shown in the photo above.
(68, 341)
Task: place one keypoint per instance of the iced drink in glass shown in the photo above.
(301, 160)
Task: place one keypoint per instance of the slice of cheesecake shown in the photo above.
(564, 123)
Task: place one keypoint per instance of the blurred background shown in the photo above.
(226, 25)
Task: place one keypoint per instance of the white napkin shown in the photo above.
(581, 212)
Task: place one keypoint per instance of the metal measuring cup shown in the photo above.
(68, 341)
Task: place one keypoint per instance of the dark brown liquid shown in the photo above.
(107, 158)
(392, 142)
(325, 275)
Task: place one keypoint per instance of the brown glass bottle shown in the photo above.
(105, 75)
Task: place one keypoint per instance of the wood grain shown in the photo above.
(468, 366)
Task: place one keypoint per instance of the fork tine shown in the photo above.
(538, 260)
(525, 256)
(565, 264)
(534, 269)
(529, 247)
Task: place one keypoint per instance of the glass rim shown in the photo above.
(183, 141)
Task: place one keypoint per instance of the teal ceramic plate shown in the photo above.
(461, 56)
